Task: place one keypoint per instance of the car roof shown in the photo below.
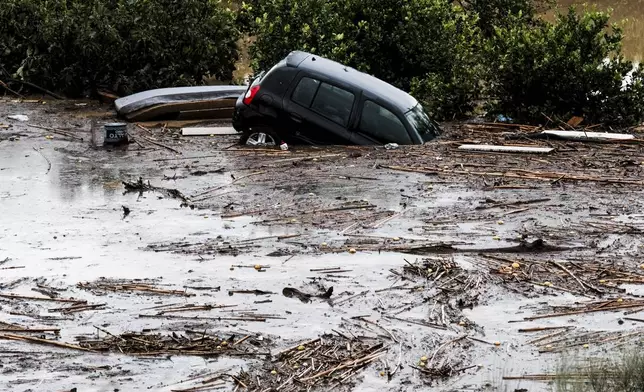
(361, 80)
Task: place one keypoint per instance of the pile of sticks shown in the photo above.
(519, 174)
(190, 343)
(610, 305)
(579, 278)
(343, 216)
(444, 361)
(210, 247)
(492, 127)
(586, 228)
(454, 287)
(434, 268)
(226, 312)
(329, 361)
(217, 246)
(565, 338)
(131, 286)
(368, 243)
(75, 305)
(446, 274)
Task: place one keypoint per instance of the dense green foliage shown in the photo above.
(453, 56)
(75, 46)
(456, 57)
(429, 43)
(570, 67)
(496, 13)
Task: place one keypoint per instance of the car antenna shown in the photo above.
(312, 58)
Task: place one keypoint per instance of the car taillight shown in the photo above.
(250, 94)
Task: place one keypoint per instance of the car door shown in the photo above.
(379, 124)
(319, 111)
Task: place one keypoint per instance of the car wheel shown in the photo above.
(260, 137)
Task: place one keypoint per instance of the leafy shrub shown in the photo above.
(76, 46)
(496, 13)
(281, 26)
(570, 67)
(448, 96)
(427, 43)
(451, 56)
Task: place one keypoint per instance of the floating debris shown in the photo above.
(198, 344)
(327, 362)
(571, 338)
(131, 286)
(306, 297)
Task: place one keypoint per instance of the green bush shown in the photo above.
(570, 67)
(424, 43)
(281, 26)
(496, 13)
(454, 56)
(76, 46)
(450, 55)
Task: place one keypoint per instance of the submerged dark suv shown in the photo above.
(308, 99)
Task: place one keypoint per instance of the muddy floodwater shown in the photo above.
(192, 263)
(630, 15)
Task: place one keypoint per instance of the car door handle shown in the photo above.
(297, 118)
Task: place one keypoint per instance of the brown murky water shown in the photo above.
(630, 13)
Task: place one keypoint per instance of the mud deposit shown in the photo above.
(222, 267)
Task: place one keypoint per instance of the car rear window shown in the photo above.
(333, 103)
(420, 120)
(305, 91)
(383, 125)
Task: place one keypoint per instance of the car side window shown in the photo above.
(305, 91)
(334, 103)
(382, 125)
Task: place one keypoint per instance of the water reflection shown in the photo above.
(99, 176)
(631, 12)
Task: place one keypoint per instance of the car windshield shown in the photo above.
(419, 119)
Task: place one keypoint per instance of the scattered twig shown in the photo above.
(418, 322)
(132, 287)
(3, 84)
(350, 298)
(35, 86)
(442, 346)
(47, 159)
(28, 298)
(570, 313)
(56, 131)
(156, 143)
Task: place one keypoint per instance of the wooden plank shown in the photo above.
(575, 121)
(492, 148)
(581, 135)
(207, 131)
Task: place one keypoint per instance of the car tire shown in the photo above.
(260, 137)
